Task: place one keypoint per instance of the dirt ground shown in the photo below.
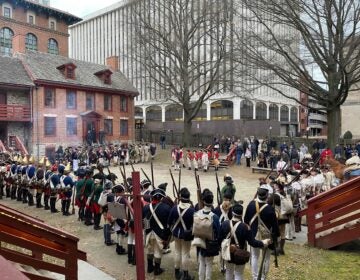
(104, 257)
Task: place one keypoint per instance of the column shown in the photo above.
(236, 108)
(208, 110)
(279, 115)
(163, 110)
(144, 114)
(267, 111)
(254, 110)
(289, 113)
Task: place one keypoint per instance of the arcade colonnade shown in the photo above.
(224, 109)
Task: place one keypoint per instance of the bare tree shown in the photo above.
(287, 41)
(181, 46)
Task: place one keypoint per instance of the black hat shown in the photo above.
(184, 194)
(237, 209)
(119, 188)
(163, 186)
(207, 197)
(158, 193)
(145, 184)
(262, 193)
(108, 185)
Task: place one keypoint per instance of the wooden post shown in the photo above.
(139, 244)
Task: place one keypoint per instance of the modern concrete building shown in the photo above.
(108, 32)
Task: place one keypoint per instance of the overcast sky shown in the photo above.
(81, 8)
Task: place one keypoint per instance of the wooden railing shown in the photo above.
(16, 143)
(333, 217)
(2, 147)
(10, 112)
(40, 241)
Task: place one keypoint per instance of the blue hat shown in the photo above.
(13, 168)
(61, 168)
(23, 169)
(158, 193)
(48, 174)
(30, 171)
(145, 184)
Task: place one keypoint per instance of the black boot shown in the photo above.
(53, 205)
(81, 214)
(30, 198)
(130, 253)
(7, 190)
(67, 207)
(178, 274)
(63, 205)
(150, 263)
(281, 247)
(1, 191)
(120, 250)
(157, 269)
(134, 255)
(186, 276)
(16, 193)
(38, 201)
(24, 194)
(46, 202)
(88, 217)
(97, 218)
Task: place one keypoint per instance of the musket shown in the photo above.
(179, 185)
(261, 268)
(152, 174)
(132, 167)
(147, 177)
(124, 179)
(175, 190)
(198, 191)
(218, 192)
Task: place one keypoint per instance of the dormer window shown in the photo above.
(105, 76)
(68, 70)
(31, 17)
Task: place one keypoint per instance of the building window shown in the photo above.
(293, 114)
(107, 102)
(71, 126)
(107, 78)
(50, 126)
(6, 37)
(52, 25)
(7, 12)
(31, 19)
(49, 97)
(53, 46)
(71, 100)
(261, 111)
(123, 104)
(284, 113)
(273, 112)
(31, 42)
(90, 101)
(70, 73)
(246, 110)
(124, 127)
(108, 126)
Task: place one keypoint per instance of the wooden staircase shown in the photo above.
(333, 217)
(38, 250)
(17, 144)
(2, 147)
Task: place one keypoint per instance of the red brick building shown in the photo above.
(47, 99)
(45, 29)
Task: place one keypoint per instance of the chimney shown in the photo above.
(113, 62)
(19, 44)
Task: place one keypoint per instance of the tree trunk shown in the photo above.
(334, 126)
(187, 133)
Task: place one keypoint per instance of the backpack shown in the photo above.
(286, 205)
(203, 225)
(262, 231)
(103, 198)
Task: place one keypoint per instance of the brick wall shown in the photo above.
(61, 113)
(18, 24)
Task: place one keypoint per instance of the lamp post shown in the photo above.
(270, 128)
(307, 135)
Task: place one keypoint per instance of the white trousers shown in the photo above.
(234, 272)
(205, 267)
(182, 253)
(256, 262)
(290, 228)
